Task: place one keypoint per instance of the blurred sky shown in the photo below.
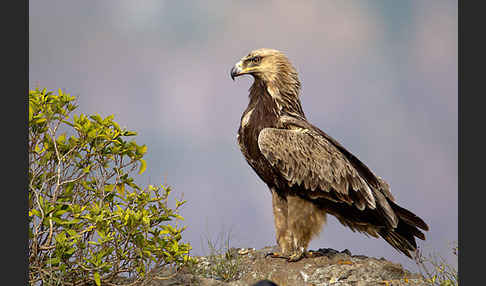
(378, 76)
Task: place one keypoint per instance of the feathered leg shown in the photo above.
(283, 234)
(304, 221)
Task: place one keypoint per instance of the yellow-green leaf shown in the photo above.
(53, 261)
(31, 112)
(40, 120)
(97, 278)
(87, 169)
(60, 213)
(61, 139)
(109, 188)
(121, 189)
(117, 127)
(146, 220)
(178, 217)
(143, 166)
(35, 212)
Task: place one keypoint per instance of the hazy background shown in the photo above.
(378, 76)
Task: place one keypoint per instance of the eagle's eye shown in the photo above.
(256, 59)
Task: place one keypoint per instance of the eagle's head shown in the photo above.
(275, 79)
(267, 65)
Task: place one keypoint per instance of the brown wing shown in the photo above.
(306, 158)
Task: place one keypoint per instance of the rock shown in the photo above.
(265, 283)
(249, 267)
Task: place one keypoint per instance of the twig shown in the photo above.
(49, 238)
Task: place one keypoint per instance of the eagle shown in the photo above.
(308, 173)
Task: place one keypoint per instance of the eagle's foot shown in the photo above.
(296, 256)
(276, 255)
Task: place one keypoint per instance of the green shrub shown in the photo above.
(221, 263)
(89, 223)
(436, 270)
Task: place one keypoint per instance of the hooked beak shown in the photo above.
(237, 70)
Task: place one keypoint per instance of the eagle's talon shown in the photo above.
(295, 257)
(276, 255)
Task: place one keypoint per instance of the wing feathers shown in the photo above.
(308, 159)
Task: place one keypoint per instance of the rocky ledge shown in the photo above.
(242, 267)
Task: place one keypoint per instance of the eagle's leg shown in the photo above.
(305, 221)
(283, 235)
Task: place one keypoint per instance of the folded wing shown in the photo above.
(307, 159)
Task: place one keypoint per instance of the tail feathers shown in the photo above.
(403, 236)
(407, 216)
(399, 242)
